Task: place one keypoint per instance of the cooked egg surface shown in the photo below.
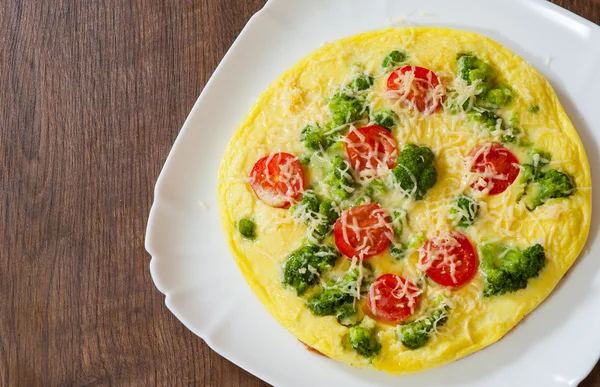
(299, 97)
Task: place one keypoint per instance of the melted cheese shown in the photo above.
(298, 98)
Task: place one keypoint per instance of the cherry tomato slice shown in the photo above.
(496, 168)
(449, 259)
(392, 298)
(363, 231)
(423, 92)
(278, 180)
(371, 149)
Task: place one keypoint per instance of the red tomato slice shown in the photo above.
(496, 168)
(278, 180)
(392, 298)
(449, 259)
(363, 231)
(418, 87)
(370, 149)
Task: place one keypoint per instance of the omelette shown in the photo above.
(402, 198)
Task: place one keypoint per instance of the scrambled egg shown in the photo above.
(298, 97)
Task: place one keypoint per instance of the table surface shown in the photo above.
(93, 94)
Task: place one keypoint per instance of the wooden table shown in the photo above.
(93, 94)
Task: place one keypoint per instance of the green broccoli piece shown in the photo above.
(397, 251)
(309, 203)
(495, 98)
(528, 173)
(492, 122)
(321, 215)
(533, 171)
(414, 338)
(417, 240)
(328, 302)
(417, 333)
(247, 228)
(361, 83)
(348, 315)
(540, 158)
(329, 215)
(339, 177)
(375, 189)
(384, 118)
(511, 135)
(464, 211)
(398, 222)
(508, 270)
(304, 159)
(337, 299)
(344, 109)
(534, 109)
(314, 138)
(364, 341)
(415, 172)
(472, 69)
(303, 267)
(394, 58)
(547, 185)
(489, 120)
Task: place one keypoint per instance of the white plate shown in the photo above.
(558, 344)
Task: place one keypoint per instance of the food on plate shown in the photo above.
(402, 198)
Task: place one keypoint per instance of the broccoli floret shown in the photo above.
(415, 172)
(247, 228)
(542, 185)
(314, 138)
(489, 120)
(328, 216)
(309, 203)
(495, 98)
(375, 189)
(534, 109)
(507, 270)
(328, 302)
(337, 299)
(394, 58)
(384, 118)
(414, 338)
(511, 135)
(361, 83)
(547, 185)
(348, 315)
(534, 260)
(364, 341)
(533, 171)
(304, 159)
(540, 158)
(345, 108)
(528, 173)
(320, 215)
(464, 211)
(417, 333)
(304, 266)
(472, 69)
(339, 177)
(397, 251)
(492, 122)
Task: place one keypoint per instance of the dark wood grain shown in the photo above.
(92, 96)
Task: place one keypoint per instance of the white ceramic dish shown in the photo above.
(557, 345)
